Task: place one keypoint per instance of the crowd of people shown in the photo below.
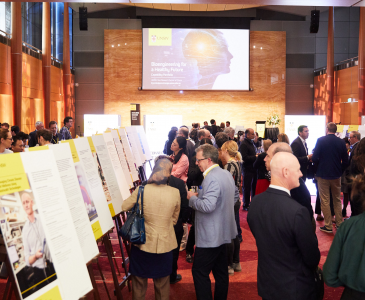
(12, 140)
(211, 167)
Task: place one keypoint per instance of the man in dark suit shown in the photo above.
(190, 147)
(179, 231)
(33, 141)
(248, 152)
(331, 156)
(214, 127)
(56, 136)
(300, 149)
(202, 133)
(287, 247)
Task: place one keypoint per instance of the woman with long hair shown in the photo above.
(171, 136)
(161, 208)
(263, 177)
(230, 154)
(180, 160)
(283, 138)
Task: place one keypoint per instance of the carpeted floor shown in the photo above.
(243, 285)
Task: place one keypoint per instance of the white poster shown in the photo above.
(103, 223)
(134, 148)
(132, 131)
(94, 124)
(117, 167)
(79, 198)
(157, 128)
(123, 158)
(128, 152)
(317, 129)
(38, 229)
(143, 141)
(107, 175)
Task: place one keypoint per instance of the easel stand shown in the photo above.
(127, 277)
(92, 277)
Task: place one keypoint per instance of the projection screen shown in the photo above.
(196, 59)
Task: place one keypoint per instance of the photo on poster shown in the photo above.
(26, 242)
(86, 195)
(102, 177)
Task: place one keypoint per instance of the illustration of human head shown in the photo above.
(27, 203)
(210, 49)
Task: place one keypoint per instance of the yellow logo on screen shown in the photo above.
(159, 37)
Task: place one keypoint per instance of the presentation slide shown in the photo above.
(317, 129)
(128, 153)
(38, 230)
(196, 59)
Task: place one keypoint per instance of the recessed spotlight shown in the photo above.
(254, 46)
(181, 92)
(261, 48)
(112, 46)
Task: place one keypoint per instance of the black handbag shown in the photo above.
(133, 229)
(319, 283)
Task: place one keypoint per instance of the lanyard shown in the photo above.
(211, 170)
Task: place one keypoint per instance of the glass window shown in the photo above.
(5, 17)
(32, 23)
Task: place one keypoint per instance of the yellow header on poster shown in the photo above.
(353, 128)
(111, 208)
(12, 175)
(133, 107)
(91, 144)
(39, 148)
(53, 294)
(118, 133)
(74, 153)
(340, 128)
(97, 230)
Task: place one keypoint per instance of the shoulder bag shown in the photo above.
(133, 229)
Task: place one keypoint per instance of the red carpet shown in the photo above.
(243, 285)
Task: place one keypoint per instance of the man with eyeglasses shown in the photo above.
(17, 145)
(215, 224)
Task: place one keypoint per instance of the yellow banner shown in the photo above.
(74, 153)
(133, 107)
(53, 294)
(91, 144)
(159, 37)
(12, 175)
(111, 208)
(38, 148)
(353, 128)
(97, 230)
(340, 128)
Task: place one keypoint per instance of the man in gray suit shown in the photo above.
(214, 224)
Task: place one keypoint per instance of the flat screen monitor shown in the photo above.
(196, 59)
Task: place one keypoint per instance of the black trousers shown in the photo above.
(210, 260)
(179, 232)
(249, 186)
(191, 241)
(233, 251)
(350, 294)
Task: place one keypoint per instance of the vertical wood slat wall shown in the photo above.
(30, 85)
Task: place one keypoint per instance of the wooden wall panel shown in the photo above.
(122, 77)
(6, 109)
(5, 70)
(346, 87)
(57, 105)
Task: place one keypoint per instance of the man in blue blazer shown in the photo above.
(331, 156)
(214, 224)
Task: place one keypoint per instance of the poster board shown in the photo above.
(135, 142)
(99, 123)
(157, 128)
(128, 153)
(38, 230)
(117, 167)
(107, 176)
(143, 141)
(122, 158)
(132, 145)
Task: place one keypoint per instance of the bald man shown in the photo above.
(299, 194)
(288, 251)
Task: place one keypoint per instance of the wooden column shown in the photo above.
(361, 81)
(66, 63)
(330, 65)
(46, 61)
(16, 61)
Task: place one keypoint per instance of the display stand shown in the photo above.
(92, 277)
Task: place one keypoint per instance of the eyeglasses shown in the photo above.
(198, 160)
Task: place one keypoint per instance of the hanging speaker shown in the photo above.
(83, 18)
(314, 21)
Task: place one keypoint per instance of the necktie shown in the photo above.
(306, 148)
